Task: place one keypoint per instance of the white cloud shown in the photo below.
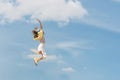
(48, 58)
(52, 57)
(55, 10)
(33, 55)
(73, 44)
(75, 48)
(116, 0)
(68, 69)
(103, 21)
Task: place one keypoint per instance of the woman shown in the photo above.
(39, 35)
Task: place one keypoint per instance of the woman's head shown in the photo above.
(35, 33)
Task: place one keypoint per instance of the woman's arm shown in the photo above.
(41, 27)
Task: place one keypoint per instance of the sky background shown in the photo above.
(82, 39)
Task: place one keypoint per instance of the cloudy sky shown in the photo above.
(82, 39)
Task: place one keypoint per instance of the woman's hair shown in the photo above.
(35, 33)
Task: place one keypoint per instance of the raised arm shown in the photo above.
(41, 27)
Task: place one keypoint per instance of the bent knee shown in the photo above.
(40, 52)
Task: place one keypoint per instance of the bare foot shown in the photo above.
(36, 61)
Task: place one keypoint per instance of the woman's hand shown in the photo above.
(38, 20)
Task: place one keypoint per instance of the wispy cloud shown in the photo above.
(48, 58)
(52, 57)
(68, 69)
(102, 20)
(73, 44)
(33, 55)
(55, 10)
(73, 47)
(116, 0)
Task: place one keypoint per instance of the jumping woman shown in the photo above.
(38, 35)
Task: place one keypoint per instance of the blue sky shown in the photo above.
(82, 39)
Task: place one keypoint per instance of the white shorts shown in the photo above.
(41, 47)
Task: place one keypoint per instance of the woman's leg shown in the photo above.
(43, 56)
(41, 52)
